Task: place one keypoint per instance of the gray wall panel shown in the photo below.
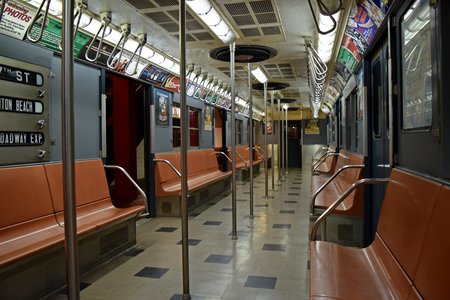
(87, 105)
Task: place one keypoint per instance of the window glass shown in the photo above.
(416, 66)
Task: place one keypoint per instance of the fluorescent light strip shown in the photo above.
(326, 41)
(212, 19)
(259, 75)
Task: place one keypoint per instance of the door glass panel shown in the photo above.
(416, 66)
(377, 101)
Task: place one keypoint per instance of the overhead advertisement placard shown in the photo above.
(15, 20)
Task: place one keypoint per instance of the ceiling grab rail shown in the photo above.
(208, 88)
(105, 21)
(195, 81)
(203, 77)
(125, 29)
(35, 19)
(142, 39)
(2, 7)
(190, 68)
(80, 7)
(326, 11)
(317, 71)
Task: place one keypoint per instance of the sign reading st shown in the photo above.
(20, 76)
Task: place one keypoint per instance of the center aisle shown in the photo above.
(268, 261)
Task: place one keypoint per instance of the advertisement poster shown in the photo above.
(173, 83)
(154, 74)
(312, 128)
(207, 122)
(52, 37)
(162, 107)
(15, 20)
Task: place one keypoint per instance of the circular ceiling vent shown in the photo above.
(271, 86)
(244, 53)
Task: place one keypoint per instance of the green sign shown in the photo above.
(52, 37)
(347, 58)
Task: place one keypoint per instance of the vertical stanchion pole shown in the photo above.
(287, 143)
(266, 172)
(250, 144)
(183, 153)
(233, 145)
(278, 141)
(68, 154)
(282, 141)
(273, 146)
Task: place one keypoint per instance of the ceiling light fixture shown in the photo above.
(259, 75)
(209, 15)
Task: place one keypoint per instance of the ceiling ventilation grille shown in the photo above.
(255, 18)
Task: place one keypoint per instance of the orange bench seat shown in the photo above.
(408, 258)
(31, 213)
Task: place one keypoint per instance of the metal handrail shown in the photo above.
(240, 156)
(224, 154)
(142, 40)
(169, 164)
(81, 6)
(135, 185)
(341, 198)
(314, 164)
(2, 7)
(323, 186)
(37, 17)
(324, 160)
(125, 30)
(319, 151)
(106, 20)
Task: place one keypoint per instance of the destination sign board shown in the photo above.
(17, 105)
(21, 138)
(20, 75)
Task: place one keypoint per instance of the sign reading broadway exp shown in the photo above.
(20, 138)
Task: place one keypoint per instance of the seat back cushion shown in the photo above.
(197, 162)
(405, 215)
(24, 195)
(90, 183)
(163, 172)
(210, 158)
(433, 273)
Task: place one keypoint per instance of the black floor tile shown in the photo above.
(295, 188)
(241, 200)
(151, 272)
(261, 205)
(282, 226)
(290, 201)
(191, 242)
(226, 209)
(261, 282)
(246, 193)
(180, 297)
(293, 194)
(287, 211)
(274, 247)
(213, 223)
(133, 252)
(167, 229)
(219, 259)
(194, 214)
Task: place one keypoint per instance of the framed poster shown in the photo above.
(207, 118)
(162, 107)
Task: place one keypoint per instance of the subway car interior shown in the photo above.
(224, 149)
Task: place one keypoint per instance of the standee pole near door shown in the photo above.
(68, 154)
(250, 144)
(273, 146)
(278, 141)
(266, 172)
(233, 145)
(183, 153)
(287, 143)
